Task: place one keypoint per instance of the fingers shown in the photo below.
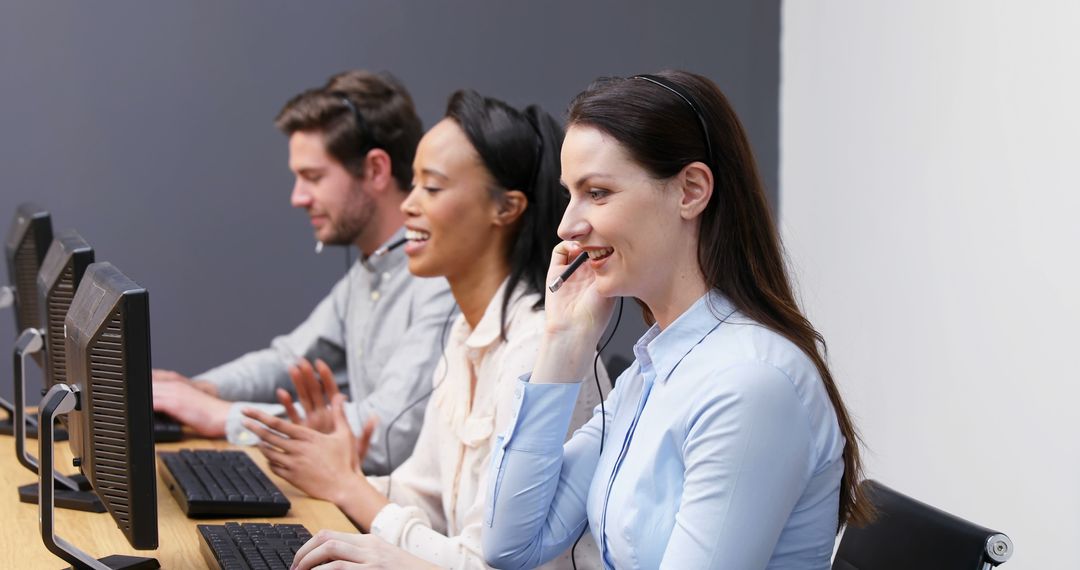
(337, 412)
(315, 388)
(319, 538)
(290, 406)
(269, 437)
(341, 565)
(365, 438)
(328, 546)
(169, 397)
(303, 377)
(341, 426)
(162, 375)
(279, 460)
(290, 430)
(564, 252)
(329, 383)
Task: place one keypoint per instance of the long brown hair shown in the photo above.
(739, 249)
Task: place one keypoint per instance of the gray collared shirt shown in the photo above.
(379, 331)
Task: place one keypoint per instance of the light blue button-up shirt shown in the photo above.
(721, 450)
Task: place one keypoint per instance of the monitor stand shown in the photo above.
(62, 399)
(7, 425)
(70, 492)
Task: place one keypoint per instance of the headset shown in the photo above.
(681, 93)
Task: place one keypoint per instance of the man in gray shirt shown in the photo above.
(351, 145)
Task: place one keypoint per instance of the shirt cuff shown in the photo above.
(235, 431)
(390, 523)
(379, 483)
(541, 416)
(226, 390)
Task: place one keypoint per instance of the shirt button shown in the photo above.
(517, 392)
(385, 275)
(375, 295)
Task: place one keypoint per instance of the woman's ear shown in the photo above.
(510, 205)
(696, 181)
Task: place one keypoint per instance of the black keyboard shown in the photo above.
(166, 429)
(251, 545)
(212, 483)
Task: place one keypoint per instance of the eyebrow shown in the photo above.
(433, 172)
(581, 181)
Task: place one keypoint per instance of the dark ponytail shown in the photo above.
(521, 151)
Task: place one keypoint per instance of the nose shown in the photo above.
(409, 205)
(574, 226)
(300, 198)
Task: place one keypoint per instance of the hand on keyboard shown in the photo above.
(367, 550)
(251, 545)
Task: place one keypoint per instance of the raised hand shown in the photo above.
(323, 465)
(577, 307)
(576, 316)
(315, 395)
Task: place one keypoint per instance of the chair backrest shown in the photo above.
(910, 534)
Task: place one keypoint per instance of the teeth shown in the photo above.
(600, 253)
(417, 235)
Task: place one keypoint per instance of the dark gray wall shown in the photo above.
(147, 125)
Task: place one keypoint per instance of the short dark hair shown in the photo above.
(337, 109)
(521, 151)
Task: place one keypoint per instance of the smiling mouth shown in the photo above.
(417, 235)
(598, 254)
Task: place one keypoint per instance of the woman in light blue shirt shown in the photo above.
(726, 444)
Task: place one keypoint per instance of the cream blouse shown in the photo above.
(437, 495)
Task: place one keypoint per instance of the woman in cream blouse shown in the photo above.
(483, 212)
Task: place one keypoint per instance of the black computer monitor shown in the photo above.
(27, 241)
(60, 274)
(109, 397)
(59, 277)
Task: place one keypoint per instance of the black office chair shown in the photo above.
(908, 534)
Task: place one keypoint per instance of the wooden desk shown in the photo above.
(97, 535)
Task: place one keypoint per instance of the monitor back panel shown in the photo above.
(108, 359)
(25, 247)
(59, 277)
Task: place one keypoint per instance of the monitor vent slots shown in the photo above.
(59, 301)
(26, 268)
(109, 431)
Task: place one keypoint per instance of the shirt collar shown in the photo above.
(489, 329)
(392, 259)
(665, 349)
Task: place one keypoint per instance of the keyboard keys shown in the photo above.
(221, 483)
(251, 545)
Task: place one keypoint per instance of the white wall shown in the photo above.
(930, 196)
